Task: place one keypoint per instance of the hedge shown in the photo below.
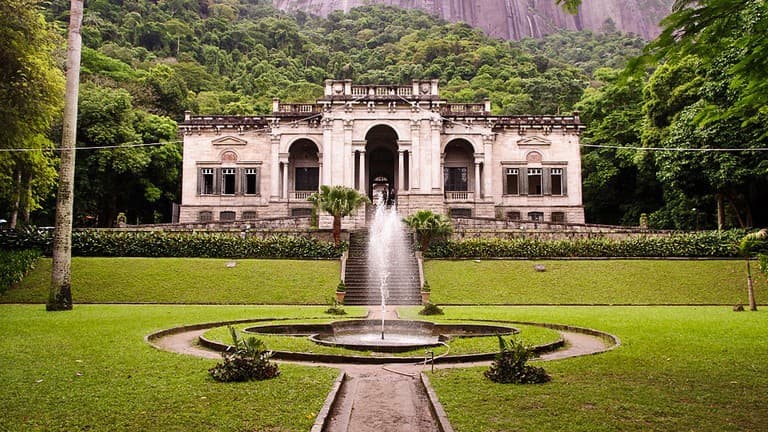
(164, 244)
(14, 265)
(701, 244)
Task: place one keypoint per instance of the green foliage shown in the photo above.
(336, 308)
(510, 365)
(431, 309)
(700, 244)
(14, 265)
(428, 226)
(339, 202)
(168, 244)
(246, 360)
(341, 287)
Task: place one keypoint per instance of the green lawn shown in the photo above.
(592, 282)
(186, 281)
(90, 369)
(678, 369)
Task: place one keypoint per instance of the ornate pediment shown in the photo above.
(229, 141)
(535, 141)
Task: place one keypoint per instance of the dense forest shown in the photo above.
(146, 62)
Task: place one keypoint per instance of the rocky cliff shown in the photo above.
(517, 19)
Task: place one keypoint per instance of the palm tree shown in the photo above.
(60, 297)
(428, 225)
(339, 202)
(746, 248)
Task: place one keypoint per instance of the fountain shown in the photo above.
(387, 247)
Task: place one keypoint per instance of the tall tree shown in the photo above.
(60, 297)
(747, 247)
(31, 86)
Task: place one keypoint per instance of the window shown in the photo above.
(251, 181)
(249, 215)
(205, 216)
(301, 212)
(228, 181)
(556, 181)
(307, 179)
(456, 179)
(536, 216)
(513, 215)
(227, 216)
(461, 213)
(534, 181)
(512, 181)
(206, 180)
(558, 217)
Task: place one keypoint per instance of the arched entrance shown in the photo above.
(382, 160)
(304, 168)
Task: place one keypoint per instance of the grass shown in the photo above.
(591, 282)
(678, 369)
(186, 281)
(530, 334)
(89, 369)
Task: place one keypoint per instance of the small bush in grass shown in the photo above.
(510, 366)
(336, 308)
(430, 309)
(246, 360)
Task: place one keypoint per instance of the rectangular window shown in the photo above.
(456, 179)
(301, 212)
(228, 181)
(206, 178)
(307, 179)
(251, 181)
(534, 181)
(512, 180)
(556, 181)
(461, 213)
(227, 216)
(249, 215)
(513, 215)
(558, 217)
(205, 216)
(536, 216)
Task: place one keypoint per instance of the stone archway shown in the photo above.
(381, 158)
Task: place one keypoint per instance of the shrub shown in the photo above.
(700, 244)
(430, 309)
(247, 359)
(510, 366)
(336, 308)
(14, 265)
(179, 245)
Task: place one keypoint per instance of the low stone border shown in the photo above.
(438, 413)
(330, 402)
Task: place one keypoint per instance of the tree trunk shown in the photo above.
(720, 212)
(25, 203)
(336, 230)
(60, 297)
(750, 289)
(16, 197)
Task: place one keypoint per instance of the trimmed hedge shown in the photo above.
(701, 244)
(175, 245)
(14, 265)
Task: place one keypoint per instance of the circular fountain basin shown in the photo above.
(398, 335)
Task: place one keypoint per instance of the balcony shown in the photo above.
(301, 195)
(459, 196)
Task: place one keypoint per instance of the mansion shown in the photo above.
(427, 153)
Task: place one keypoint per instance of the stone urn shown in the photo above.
(425, 297)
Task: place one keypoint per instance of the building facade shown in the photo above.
(455, 159)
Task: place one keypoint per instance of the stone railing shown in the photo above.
(301, 195)
(453, 109)
(459, 196)
(382, 91)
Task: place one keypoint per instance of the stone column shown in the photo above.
(477, 179)
(400, 170)
(413, 158)
(285, 179)
(275, 168)
(361, 172)
(349, 169)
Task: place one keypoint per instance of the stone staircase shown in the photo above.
(403, 281)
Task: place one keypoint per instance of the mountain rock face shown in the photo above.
(518, 19)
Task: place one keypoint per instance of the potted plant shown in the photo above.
(425, 291)
(341, 289)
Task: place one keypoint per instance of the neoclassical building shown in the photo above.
(455, 159)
